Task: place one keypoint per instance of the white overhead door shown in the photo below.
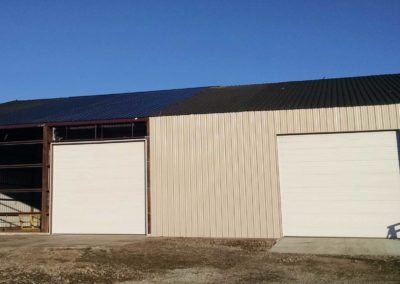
(339, 185)
(99, 188)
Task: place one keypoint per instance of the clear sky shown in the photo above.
(83, 47)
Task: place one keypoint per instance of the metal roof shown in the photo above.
(324, 93)
(88, 108)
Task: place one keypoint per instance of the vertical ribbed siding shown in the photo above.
(216, 175)
(9, 203)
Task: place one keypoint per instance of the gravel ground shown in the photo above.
(178, 260)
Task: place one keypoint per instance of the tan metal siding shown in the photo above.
(216, 175)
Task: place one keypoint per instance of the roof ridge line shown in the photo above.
(306, 80)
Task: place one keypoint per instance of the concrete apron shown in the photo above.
(338, 246)
(67, 241)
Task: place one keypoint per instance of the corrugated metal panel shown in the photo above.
(325, 93)
(85, 108)
(10, 204)
(15, 203)
(216, 175)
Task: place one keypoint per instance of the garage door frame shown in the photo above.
(110, 141)
(397, 135)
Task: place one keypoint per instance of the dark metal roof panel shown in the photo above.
(98, 107)
(324, 93)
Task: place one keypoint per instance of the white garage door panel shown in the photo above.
(99, 188)
(340, 185)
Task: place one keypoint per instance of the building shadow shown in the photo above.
(392, 231)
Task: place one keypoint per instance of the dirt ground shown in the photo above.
(174, 260)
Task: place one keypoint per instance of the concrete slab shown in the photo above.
(70, 241)
(338, 246)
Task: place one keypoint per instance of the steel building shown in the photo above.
(304, 158)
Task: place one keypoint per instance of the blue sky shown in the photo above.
(84, 47)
